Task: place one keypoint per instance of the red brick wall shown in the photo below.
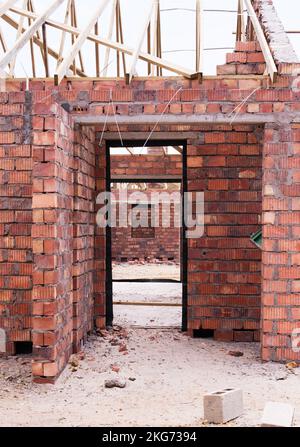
(166, 243)
(147, 244)
(143, 165)
(15, 219)
(224, 266)
(52, 233)
(83, 234)
(281, 259)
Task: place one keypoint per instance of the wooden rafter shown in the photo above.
(19, 32)
(240, 28)
(138, 48)
(6, 5)
(64, 66)
(109, 36)
(28, 34)
(45, 48)
(159, 47)
(199, 40)
(154, 26)
(31, 8)
(38, 42)
(97, 54)
(163, 63)
(75, 24)
(121, 35)
(63, 36)
(271, 67)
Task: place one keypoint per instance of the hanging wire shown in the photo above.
(160, 117)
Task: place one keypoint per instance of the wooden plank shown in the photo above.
(31, 7)
(28, 34)
(6, 5)
(154, 43)
(63, 36)
(45, 46)
(109, 36)
(138, 48)
(64, 66)
(97, 55)
(163, 63)
(118, 38)
(199, 40)
(149, 303)
(121, 36)
(271, 67)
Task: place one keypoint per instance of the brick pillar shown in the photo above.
(281, 246)
(83, 234)
(52, 233)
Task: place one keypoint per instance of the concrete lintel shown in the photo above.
(263, 118)
(155, 136)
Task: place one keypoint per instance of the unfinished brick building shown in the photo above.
(240, 133)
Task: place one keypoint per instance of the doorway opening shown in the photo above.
(146, 271)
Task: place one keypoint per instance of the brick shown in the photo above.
(223, 406)
(277, 414)
(44, 138)
(243, 336)
(45, 201)
(50, 369)
(223, 335)
(236, 58)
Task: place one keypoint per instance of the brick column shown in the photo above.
(83, 234)
(52, 233)
(281, 246)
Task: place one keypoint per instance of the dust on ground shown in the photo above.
(166, 372)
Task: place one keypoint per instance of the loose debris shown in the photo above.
(115, 383)
(235, 353)
(292, 365)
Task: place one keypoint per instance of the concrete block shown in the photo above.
(277, 414)
(2, 340)
(223, 406)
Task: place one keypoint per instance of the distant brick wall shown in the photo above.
(165, 245)
(143, 165)
(15, 219)
(160, 242)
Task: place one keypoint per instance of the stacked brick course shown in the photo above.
(15, 219)
(164, 242)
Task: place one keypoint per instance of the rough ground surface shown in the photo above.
(132, 270)
(147, 315)
(171, 372)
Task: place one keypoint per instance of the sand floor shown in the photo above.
(172, 372)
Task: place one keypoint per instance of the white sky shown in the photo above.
(178, 32)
